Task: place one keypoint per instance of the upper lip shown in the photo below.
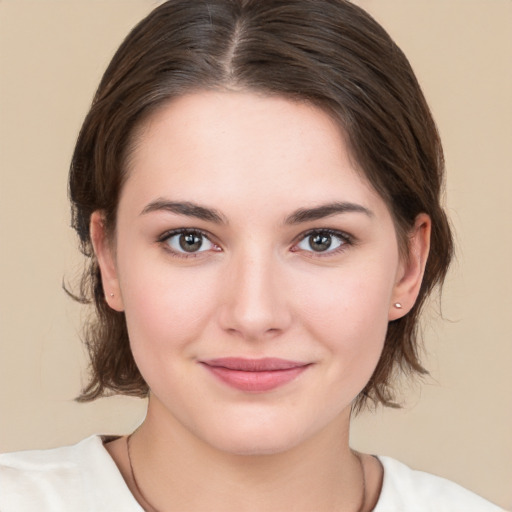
(265, 364)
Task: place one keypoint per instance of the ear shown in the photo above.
(105, 254)
(411, 270)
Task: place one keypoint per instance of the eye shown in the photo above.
(323, 241)
(188, 241)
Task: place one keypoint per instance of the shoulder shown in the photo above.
(81, 477)
(404, 489)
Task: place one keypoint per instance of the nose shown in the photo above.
(255, 305)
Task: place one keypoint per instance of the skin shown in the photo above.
(256, 288)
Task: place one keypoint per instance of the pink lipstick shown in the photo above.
(254, 375)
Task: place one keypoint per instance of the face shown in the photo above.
(256, 267)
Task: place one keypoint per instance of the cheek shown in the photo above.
(352, 309)
(164, 308)
(350, 316)
(165, 318)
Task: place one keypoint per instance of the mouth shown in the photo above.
(254, 375)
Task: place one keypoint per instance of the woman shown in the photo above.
(257, 187)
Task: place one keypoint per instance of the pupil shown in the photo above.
(190, 242)
(320, 242)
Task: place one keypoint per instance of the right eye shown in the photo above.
(188, 241)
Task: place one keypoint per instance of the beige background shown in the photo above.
(458, 425)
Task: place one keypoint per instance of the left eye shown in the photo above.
(189, 242)
(322, 241)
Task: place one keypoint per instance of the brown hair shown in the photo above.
(328, 52)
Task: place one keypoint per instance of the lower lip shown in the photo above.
(255, 381)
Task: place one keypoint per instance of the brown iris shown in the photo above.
(320, 242)
(190, 242)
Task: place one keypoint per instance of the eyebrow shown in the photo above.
(326, 210)
(186, 208)
(211, 215)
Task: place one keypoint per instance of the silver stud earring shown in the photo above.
(111, 294)
(397, 305)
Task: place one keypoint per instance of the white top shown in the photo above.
(84, 478)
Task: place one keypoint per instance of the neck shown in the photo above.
(176, 471)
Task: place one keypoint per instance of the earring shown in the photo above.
(397, 305)
(111, 294)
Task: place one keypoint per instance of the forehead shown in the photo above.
(234, 146)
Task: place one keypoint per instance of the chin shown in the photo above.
(254, 439)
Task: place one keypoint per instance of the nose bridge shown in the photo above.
(256, 304)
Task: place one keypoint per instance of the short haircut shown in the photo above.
(329, 53)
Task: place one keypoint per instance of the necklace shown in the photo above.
(147, 506)
(150, 508)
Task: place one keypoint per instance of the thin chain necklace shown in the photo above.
(147, 506)
(150, 508)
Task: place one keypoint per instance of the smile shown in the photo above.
(255, 375)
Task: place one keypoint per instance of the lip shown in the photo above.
(255, 375)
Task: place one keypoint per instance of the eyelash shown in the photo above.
(344, 238)
(165, 237)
